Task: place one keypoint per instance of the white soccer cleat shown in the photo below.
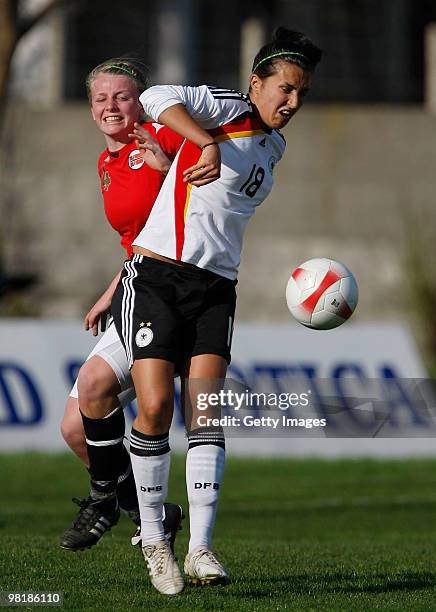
(165, 574)
(202, 567)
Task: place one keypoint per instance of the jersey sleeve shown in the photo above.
(209, 106)
(169, 140)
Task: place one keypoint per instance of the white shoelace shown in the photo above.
(209, 554)
(156, 560)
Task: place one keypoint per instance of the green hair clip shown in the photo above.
(277, 54)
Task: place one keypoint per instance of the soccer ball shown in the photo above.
(321, 293)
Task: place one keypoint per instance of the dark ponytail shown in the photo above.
(289, 46)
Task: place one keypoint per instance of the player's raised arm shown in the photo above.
(208, 106)
(208, 168)
(191, 111)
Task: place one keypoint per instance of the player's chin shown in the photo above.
(282, 121)
(112, 130)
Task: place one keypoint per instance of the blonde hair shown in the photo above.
(133, 69)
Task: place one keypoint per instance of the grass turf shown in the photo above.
(295, 534)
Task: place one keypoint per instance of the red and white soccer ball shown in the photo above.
(322, 293)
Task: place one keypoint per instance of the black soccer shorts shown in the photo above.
(171, 312)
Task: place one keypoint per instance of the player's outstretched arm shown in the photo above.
(99, 312)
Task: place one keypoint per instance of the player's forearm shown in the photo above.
(112, 286)
(178, 119)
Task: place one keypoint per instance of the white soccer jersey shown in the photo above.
(204, 225)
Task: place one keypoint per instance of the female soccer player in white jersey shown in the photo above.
(175, 302)
(129, 188)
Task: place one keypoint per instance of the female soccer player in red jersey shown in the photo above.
(129, 187)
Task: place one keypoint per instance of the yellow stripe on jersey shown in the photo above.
(245, 134)
(188, 195)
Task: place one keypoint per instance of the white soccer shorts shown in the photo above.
(110, 348)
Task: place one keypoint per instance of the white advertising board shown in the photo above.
(40, 359)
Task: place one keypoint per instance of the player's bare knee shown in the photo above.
(155, 415)
(97, 387)
(90, 384)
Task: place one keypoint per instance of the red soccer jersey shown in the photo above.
(130, 187)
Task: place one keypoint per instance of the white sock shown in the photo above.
(151, 476)
(204, 472)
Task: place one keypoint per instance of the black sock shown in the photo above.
(104, 441)
(126, 487)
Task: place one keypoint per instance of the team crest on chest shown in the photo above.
(105, 179)
(136, 159)
(144, 335)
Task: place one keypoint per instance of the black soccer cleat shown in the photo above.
(172, 523)
(92, 522)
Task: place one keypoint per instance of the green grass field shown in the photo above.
(297, 535)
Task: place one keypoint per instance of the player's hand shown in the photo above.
(98, 315)
(152, 152)
(208, 168)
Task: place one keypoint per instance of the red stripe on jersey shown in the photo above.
(243, 123)
(239, 134)
(189, 156)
